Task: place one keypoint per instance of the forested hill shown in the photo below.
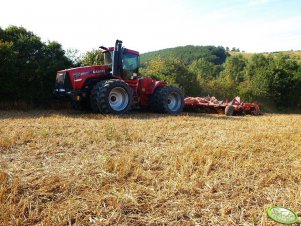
(188, 54)
(217, 55)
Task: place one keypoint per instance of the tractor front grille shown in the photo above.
(63, 83)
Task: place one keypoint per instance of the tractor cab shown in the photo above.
(123, 62)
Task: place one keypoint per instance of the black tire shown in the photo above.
(93, 96)
(167, 99)
(229, 110)
(113, 97)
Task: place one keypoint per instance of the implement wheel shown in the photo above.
(229, 110)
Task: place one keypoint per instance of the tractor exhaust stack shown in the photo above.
(117, 58)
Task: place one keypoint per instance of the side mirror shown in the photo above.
(103, 49)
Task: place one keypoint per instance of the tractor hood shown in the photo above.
(79, 76)
(79, 72)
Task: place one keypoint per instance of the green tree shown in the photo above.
(174, 72)
(257, 78)
(206, 72)
(7, 69)
(230, 78)
(93, 57)
(29, 65)
(234, 69)
(74, 56)
(204, 69)
(284, 86)
(27, 47)
(273, 80)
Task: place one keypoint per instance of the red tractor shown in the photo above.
(115, 87)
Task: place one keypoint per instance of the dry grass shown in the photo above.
(64, 168)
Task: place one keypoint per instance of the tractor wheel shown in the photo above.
(167, 99)
(93, 96)
(229, 110)
(114, 97)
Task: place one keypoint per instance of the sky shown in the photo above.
(148, 25)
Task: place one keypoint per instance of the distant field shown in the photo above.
(62, 168)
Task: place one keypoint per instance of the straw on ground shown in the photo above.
(59, 168)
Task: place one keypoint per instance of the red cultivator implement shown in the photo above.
(212, 105)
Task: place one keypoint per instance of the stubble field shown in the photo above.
(69, 168)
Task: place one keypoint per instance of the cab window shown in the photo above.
(130, 62)
(108, 58)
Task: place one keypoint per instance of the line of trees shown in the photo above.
(28, 67)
